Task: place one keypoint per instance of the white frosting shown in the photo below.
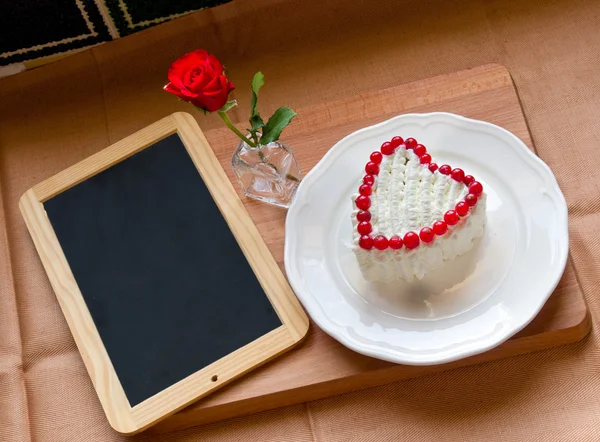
(407, 197)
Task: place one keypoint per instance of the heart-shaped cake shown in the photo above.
(411, 216)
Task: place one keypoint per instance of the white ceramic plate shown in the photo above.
(473, 304)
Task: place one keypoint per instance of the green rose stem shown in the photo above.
(235, 130)
(264, 160)
(246, 140)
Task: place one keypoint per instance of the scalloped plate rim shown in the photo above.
(423, 119)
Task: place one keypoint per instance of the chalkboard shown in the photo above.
(166, 283)
(169, 272)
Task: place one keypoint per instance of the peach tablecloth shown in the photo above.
(311, 51)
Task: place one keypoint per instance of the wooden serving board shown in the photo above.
(320, 366)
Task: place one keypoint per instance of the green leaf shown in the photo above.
(228, 105)
(257, 82)
(278, 121)
(257, 122)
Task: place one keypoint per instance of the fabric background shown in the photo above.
(311, 51)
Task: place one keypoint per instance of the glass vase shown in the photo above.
(268, 173)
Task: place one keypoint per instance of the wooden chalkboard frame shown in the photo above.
(122, 417)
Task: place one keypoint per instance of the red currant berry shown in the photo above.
(426, 234)
(387, 148)
(445, 169)
(462, 208)
(376, 157)
(372, 168)
(433, 167)
(397, 141)
(365, 190)
(411, 143)
(420, 150)
(380, 242)
(411, 240)
(366, 242)
(363, 215)
(457, 175)
(475, 188)
(451, 217)
(369, 179)
(425, 158)
(471, 199)
(395, 242)
(440, 227)
(364, 228)
(468, 179)
(363, 202)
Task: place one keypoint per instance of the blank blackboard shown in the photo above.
(164, 279)
(167, 286)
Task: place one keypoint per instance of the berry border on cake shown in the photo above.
(410, 240)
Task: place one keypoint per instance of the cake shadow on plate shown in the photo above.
(441, 293)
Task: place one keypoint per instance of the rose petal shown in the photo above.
(188, 93)
(208, 69)
(213, 85)
(216, 65)
(190, 76)
(185, 80)
(172, 89)
(200, 82)
(184, 64)
(211, 102)
(214, 93)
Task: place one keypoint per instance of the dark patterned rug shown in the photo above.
(32, 29)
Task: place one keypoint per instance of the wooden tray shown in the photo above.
(321, 367)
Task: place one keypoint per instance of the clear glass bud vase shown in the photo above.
(267, 173)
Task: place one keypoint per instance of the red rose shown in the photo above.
(198, 78)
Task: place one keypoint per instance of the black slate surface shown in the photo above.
(165, 281)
